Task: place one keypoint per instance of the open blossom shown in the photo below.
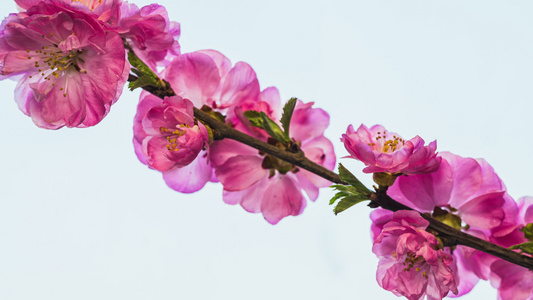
(383, 151)
(150, 33)
(514, 282)
(262, 183)
(71, 70)
(464, 187)
(167, 139)
(172, 139)
(410, 261)
(206, 78)
(464, 193)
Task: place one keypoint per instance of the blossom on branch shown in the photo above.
(411, 261)
(150, 33)
(170, 137)
(166, 138)
(71, 69)
(383, 151)
(464, 193)
(260, 182)
(207, 79)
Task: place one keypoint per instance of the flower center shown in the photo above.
(387, 145)
(51, 62)
(172, 136)
(410, 260)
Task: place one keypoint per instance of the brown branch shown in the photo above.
(449, 235)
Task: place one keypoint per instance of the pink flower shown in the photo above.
(383, 151)
(150, 33)
(263, 183)
(71, 70)
(465, 187)
(173, 140)
(410, 261)
(514, 282)
(207, 78)
(464, 193)
(167, 139)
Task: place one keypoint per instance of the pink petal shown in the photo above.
(239, 84)
(194, 76)
(191, 178)
(238, 173)
(484, 211)
(222, 150)
(281, 199)
(250, 199)
(308, 123)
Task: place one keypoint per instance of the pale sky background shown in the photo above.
(82, 218)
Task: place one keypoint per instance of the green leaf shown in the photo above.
(140, 68)
(526, 247)
(142, 81)
(261, 120)
(255, 118)
(348, 202)
(286, 117)
(528, 231)
(273, 129)
(348, 177)
(348, 195)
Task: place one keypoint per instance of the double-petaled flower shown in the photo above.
(71, 69)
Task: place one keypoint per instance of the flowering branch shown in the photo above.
(449, 235)
(205, 119)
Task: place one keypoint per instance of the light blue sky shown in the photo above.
(81, 218)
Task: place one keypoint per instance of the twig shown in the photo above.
(450, 235)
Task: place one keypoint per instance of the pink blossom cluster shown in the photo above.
(255, 180)
(412, 263)
(70, 59)
(383, 151)
(69, 56)
(467, 194)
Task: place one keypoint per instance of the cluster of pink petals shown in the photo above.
(69, 55)
(383, 151)
(206, 78)
(186, 170)
(168, 135)
(150, 33)
(468, 185)
(410, 261)
(71, 70)
(470, 190)
(257, 188)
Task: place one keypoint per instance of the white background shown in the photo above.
(81, 218)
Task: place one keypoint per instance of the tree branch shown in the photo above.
(449, 235)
